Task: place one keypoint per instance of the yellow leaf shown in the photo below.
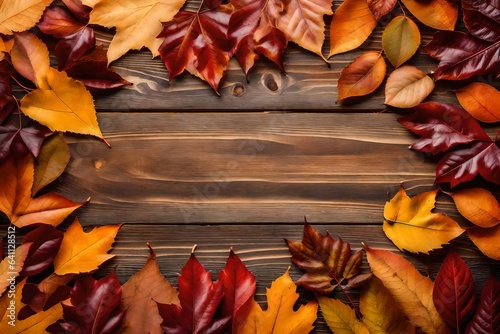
(381, 314)
(90, 3)
(481, 101)
(30, 57)
(20, 15)
(437, 14)
(411, 225)
(279, 317)
(12, 264)
(137, 23)
(302, 22)
(65, 105)
(478, 205)
(400, 40)
(5, 47)
(486, 239)
(407, 87)
(82, 252)
(411, 290)
(351, 25)
(340, 318)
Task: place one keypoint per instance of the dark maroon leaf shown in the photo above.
(7, 102)
(46, 241)
(72, 47)
(199, 298)
(94, 306)
(480, 25)
(59, 22)
(442, 126)
(490, 8)
(454, 292)
(78, 9)
(212, 4)
(461, 56)
(487, 316)
(92, 70)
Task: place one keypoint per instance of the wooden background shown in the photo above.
(243, 170)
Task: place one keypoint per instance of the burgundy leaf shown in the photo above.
(78, 9)
(212, 4)
(199, 298)
(38, 301)
(490, 8)
(487, 316)
(464, 164)
(380, 8)
(462, 56)
(72, 47)
(480, 25)
(7, 102)
(442, 126)
(454, 293)
(58, 22)
(46, 241)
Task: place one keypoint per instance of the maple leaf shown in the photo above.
(407, 87)
(279, 317)
(411, 225)
(93, 307)
(196, 42)
(139, 296)
(339, 317)
(324, 259)
(380, 8)
(82, 252)
(11, 265)
(411, 290)
(479, 100)
(20, 15)
(437, 14)
(400, 40)
(486, 319)
(478, 205)
(137, 22)
(16, 202)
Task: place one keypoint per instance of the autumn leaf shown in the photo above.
(12, 264)
(71, 48)
(407, 87)
(478, 205)
(50, 291)
(411, 290)
(20, 15)
(380, 8)
(483, 24)
(362, 76)
(59, 22)
(30, 57)
(46, 240)
(374, 298)
(324, 259)
(411, 225)
(137, 23)
(7, 101)
(15, 196)
(83, 252)
(437, 14)
(280, 317)
(400, 40)
(479, 99)
(454, 292)
(340, 318)
(139, 296)
(79, 9)
(487, 316)
(486, 239)
(351, 25)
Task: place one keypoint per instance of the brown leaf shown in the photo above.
(380, 8)
(407, 87)
(481, 101)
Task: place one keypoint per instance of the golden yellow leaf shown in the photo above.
(82, 252)
(351, 25)
(302, 22)
(481, 101)
(411, 225)
(137, 23)
(340, 318)
(478, 205)
(65, 105)
(5, 47)
(487, 240)
(30, 57)
(90, 3)
(411, 290)
(279, 317)
(407, 87)
(437, 14)
(12, 264)
(381, 314)
(400, 40)
(20, 15)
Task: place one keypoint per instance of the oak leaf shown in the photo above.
(12, 264)
(478, 205)
(83, 252)
(380, 8)
(20, 15)
(480, 100)
(280, 317)
(137, 23)
(45, 241)
(486, 319)
(437, 14)
(400, 40)
(407, 87)
(139, 296)
(340, 318)
(30, 57)
(411, 290)
(486, 239)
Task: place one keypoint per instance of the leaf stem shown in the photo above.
(21, 85)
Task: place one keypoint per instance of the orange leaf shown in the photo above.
(407, 86)
(82, 252)
(478, 205)
(279, 317)
(351, 25)
(437, 14)
(139, 296)
(481, 101)
(411, 290)
(486, 239)
(20, 15)
(400, 40)
(340, 317)
(16, 178)
(30, 57)
(12, 264)
(362, 76)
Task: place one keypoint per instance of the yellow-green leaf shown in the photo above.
(400, 40)
(340, 318)
(407, 87)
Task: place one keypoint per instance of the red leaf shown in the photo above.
(199, 298)
(480, 25)
(442, 126)
(462, 56)
(212, 4)
(487, 316)
(46, 241)
(58, 22)
(78, 9)
(94, 306)
(7, 103)
(454, 293)
(72, 47)
(489, 8)
(380, 8)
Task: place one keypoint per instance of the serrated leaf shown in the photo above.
(407, 87)
(400, 40)
(20, 15)
(478, 205)
(480, 100)
(340, 318)
(380, 8)
(12, 264)
(486, 239)
(437, 14)
(487, 316)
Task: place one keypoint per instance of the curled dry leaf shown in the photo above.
(437, 14)
(487, 316)
(486, 239)
(340, 318)
(380, 8)
(20, 15)
(407, 87)
(400, 40)
(481, 101)
(12, 265)
(361, 77)
(478, 205)
(351, 25)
